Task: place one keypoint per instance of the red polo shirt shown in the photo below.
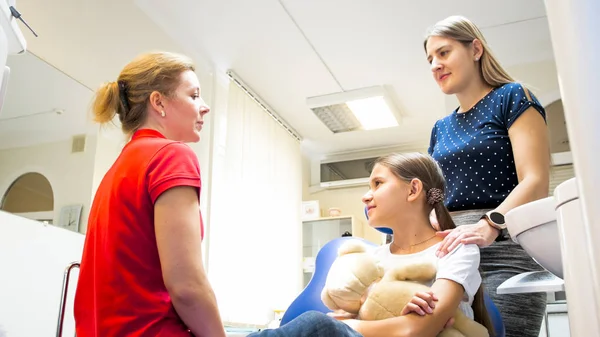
(121, 291)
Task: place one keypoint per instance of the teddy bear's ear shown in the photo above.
(351, 246)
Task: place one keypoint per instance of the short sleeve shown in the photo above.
(515, 101)
(432, 139)
(173, 165)
(462, 267)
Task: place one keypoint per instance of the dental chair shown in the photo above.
(310, 298)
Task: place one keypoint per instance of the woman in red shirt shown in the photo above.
(141, 270)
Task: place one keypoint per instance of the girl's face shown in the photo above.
(453, 65)
(388, 197)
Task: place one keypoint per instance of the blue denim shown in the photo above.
(310, 324)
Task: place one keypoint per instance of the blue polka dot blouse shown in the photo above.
(474, 150)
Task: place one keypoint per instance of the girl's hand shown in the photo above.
(420, 304)
(424, 302)
(481, 234)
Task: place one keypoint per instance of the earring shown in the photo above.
(477, 59)
(162, 113)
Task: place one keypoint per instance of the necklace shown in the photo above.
(414, 244)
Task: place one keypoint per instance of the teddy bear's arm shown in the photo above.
(328, 301)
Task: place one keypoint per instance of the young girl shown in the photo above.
(404, 189)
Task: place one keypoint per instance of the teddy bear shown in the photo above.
(357, 284)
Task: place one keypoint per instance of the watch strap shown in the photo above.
(503, 232)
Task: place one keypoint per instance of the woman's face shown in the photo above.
(185, 110)
(386, 198)
(453, 65)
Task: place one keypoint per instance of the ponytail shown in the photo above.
(443, 217)
(107, 103)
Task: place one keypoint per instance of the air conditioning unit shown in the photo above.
(343, 173)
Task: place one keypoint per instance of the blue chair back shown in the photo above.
(310, 298)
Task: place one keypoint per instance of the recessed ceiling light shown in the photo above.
(361, 109)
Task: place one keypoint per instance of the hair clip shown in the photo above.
(123, 94)
(434, 196)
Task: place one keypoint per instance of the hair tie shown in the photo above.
(123, 94)
(434, 196)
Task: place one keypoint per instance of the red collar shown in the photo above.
(142, 133)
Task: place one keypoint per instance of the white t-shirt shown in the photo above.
(461, 266)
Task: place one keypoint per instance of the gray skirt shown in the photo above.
(522, 314)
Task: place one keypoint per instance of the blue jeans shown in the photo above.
(310, 324)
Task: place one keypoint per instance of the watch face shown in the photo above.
(497, 218)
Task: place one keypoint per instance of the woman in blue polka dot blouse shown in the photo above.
(494, 152)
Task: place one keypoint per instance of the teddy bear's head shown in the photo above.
(350, 276)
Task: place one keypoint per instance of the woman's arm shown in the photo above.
(178, 236)
(449, 294)
(531, 150)
(530, 145)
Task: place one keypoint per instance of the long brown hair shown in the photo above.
(464, 31)
(128, 97)
(409, 166)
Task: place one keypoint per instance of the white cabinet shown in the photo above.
(315, 234)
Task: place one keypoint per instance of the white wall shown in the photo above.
(69, 174)
(31, 279)
(109, 143)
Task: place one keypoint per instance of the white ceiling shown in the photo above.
(288, 50)
(322, 47)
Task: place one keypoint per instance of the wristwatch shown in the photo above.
(496, 220)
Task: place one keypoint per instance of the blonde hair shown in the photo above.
(409, 166)
(464, 31)
(128, 97)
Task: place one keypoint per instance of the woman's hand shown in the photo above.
(481, 234)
